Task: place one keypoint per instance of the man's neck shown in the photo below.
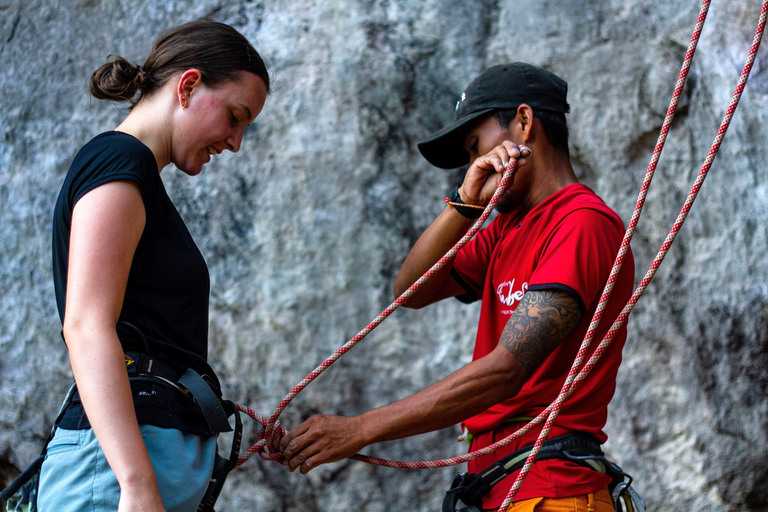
(551, 171)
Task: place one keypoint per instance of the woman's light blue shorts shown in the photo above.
(75, 476)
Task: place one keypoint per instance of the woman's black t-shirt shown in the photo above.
(168, 285)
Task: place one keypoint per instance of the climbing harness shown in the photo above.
(21, 495)
(216, 410)
(268, 438)
(577, 447)
(204, 391)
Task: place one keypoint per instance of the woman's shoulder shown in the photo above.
(111, 156)
(114, 154)
(113, 145)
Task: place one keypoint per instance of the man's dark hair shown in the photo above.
(554, 125)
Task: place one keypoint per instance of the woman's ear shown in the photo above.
(190, 79)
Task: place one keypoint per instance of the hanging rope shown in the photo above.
(268, 439)
(573, 378)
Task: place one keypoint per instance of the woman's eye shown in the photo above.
(232, 119)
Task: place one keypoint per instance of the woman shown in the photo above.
(128, 276)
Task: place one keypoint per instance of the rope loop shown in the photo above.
(267, 440)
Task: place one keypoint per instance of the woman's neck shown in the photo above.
(148, 122)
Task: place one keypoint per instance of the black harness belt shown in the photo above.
(205, 393)
(209, 403)
(577, 447)
(22, 493)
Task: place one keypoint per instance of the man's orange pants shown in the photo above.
(599, 501)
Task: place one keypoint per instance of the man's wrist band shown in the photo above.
(469, 211)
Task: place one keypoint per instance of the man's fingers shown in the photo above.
(525, 151)
(297, 460)
(287, 438)
(305, 456)
(515, 151)
(300, 444)
(289, 444)
(501, 155)
(511, 149)
(497, 161)
(297, 457)
(307, 466)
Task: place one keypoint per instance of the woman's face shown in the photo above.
(214, 120)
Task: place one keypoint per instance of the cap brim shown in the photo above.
(445, 148)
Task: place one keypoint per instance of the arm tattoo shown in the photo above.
(540, 322)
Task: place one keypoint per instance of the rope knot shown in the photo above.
(267, 440)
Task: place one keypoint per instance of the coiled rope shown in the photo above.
(268, 439)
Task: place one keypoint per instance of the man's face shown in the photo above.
(482, 135)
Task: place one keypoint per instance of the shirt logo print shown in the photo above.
(507, 294)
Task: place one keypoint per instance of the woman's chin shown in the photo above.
(192, 169)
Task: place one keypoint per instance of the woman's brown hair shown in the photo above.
(217, 50)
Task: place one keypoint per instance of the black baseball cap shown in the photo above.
(506, 86)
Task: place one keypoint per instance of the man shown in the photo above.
(539, 269)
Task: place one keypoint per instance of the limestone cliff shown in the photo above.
(305, 228)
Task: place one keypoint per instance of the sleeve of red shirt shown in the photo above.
(470, 265)
(579, 254)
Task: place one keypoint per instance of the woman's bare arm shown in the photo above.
(107, 224)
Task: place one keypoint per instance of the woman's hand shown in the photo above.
(140, 500)
(485, 173)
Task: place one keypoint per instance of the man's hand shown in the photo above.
(485, 173)
(320, 440)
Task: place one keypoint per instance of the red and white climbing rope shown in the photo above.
(269, 437)
(575, 378)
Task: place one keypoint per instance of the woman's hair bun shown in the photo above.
(117, 80)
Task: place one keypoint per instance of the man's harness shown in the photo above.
(577, 447)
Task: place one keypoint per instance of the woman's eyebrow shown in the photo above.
(247, 111)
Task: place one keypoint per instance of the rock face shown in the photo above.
(305, 228)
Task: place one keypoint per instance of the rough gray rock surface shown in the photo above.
(306, 227)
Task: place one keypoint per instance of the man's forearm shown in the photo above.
(466, 392)
(439, 237)
(540, 322)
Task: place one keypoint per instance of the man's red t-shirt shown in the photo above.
(568, 242)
